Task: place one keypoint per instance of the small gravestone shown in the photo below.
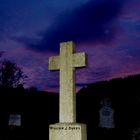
(106, 114)
(14, 120)
(67, 128)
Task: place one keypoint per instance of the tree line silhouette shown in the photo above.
(11, 76)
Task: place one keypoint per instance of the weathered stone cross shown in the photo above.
(66, 63)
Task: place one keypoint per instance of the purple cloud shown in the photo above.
(88, 22)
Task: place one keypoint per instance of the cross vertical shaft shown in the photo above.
(67, 84)
(66, 63)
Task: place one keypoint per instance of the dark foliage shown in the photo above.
(10, 74)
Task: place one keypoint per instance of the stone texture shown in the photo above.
(68, 60)
(67, 131)
(66, 63)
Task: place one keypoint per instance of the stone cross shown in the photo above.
(66, 63)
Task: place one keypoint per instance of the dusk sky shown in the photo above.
(107, 30)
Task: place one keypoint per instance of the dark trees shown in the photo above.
(10, 74)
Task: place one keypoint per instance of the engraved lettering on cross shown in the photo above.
(66, 63)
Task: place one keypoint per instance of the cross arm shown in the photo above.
(79, 59)
(54, 63)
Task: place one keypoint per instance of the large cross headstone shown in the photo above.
(67, 128)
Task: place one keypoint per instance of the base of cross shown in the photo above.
(67, 131)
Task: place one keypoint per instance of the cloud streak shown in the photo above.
(87, 23)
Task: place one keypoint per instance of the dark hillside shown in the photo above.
(39, 109)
